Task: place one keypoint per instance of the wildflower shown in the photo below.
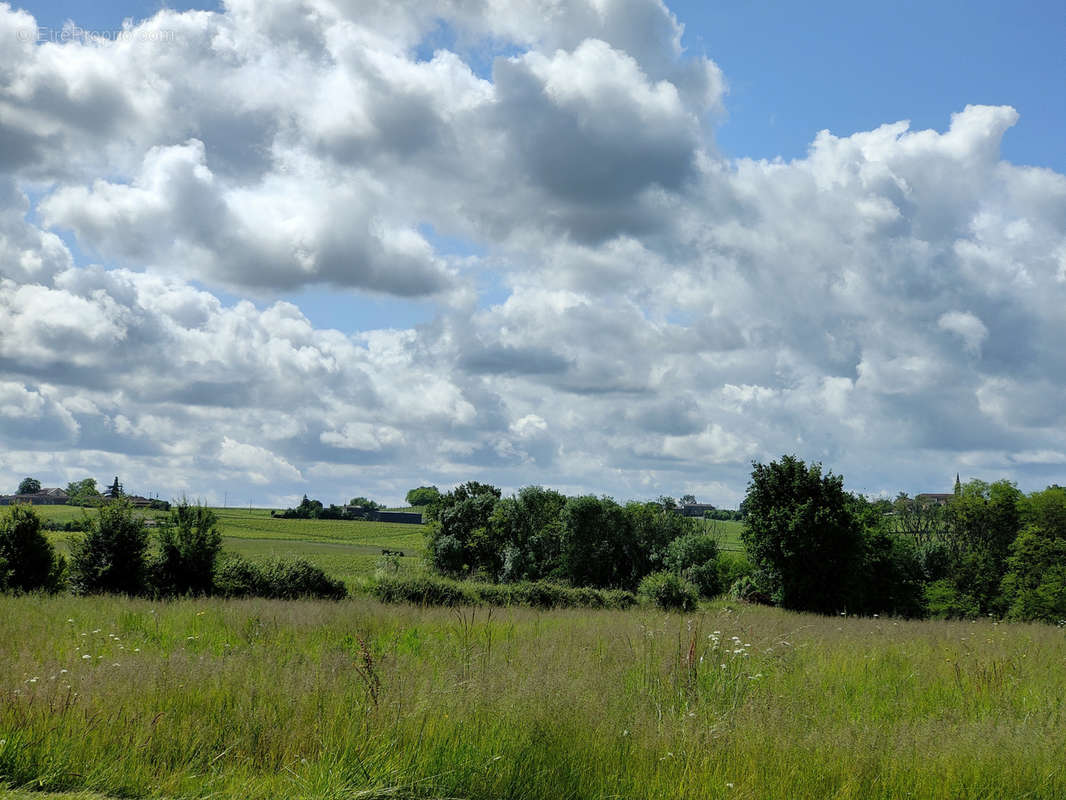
(136, 649)
(729, 786)
(32, 680)
(70, 621)
(96, 631)
(86, 656)
(116, 664)
(62, 672)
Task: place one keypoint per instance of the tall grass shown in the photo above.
(267, 699)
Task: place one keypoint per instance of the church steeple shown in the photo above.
(958, 485)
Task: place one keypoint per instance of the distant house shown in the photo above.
(45, 497)
(930, 498)
(374, 515)
(696, 509)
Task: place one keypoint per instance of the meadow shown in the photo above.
(348, 550)
(267, 699)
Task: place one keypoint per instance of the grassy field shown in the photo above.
(262, 699)
(348, 550)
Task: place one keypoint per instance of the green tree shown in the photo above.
(529, 526)
(29, 486)
(801, 535)
(982, 520)
(423, 496)
(113, 555)
(1034, 586)
(28, 562)
(460, 537)
(83, 492)
(597, 543)
(364, 502)
(189, 545)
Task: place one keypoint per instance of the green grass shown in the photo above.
(267, 699)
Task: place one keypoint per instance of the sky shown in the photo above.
(250, 251)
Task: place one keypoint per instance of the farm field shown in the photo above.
(269, 699)
(348, 550)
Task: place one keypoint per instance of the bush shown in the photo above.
(425, 590)
(731, 568)
(749, 589)
(112, 557)
(944, 601)
(431, 590)
(239, 577)
(278, 580)
(669, 591)
(694, 557)
(288, 580)
(28, 562)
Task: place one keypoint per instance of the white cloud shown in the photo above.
(662, 316)
(966, 326)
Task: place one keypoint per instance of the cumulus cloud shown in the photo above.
(891, 303)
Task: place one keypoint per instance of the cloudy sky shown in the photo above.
(347, 247)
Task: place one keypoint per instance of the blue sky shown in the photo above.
(300, 247)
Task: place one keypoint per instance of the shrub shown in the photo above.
(669, 591)
(945, 601)
(288, 580)
(28, 562)
(239, 577)
(731, 568)
(427, 590)
(749, 589)
(112, 557)
(432, 590)
(278, 580)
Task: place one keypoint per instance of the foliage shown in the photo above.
(29, 486)
(83, 492)
(694, 557)
(364, 502)
(308, 509)
(238, 577)
(280, 579)
(28, 562)
(1034, 586)
(669, 591)
(981, 522)
(112, 556)
(189, 544)
(801, 533)
(460, 539)
(423, 496)
(432, 590)
(529, 524)
(115, 490)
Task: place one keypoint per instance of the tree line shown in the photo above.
(811, 546)
(120, 554)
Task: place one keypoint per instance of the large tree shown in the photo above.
(28, 561)
(29, 486)
(112, 557)
(801, 534)
(423, 496)
(83, 492)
